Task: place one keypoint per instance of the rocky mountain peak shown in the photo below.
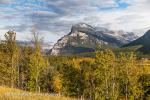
(81, 27)
(85, 38)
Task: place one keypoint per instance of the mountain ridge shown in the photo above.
(143, 42)
(88, 37)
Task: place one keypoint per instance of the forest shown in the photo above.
(106, 76)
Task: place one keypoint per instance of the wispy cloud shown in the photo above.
(5, 1)
(55, 17)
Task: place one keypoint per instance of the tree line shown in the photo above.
(107, 76)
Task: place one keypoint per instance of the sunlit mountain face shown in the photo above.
(86, 38)
(53, 19)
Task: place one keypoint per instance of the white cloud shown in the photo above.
(57, 16)
(5, 1)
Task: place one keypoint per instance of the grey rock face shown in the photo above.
(85, 38)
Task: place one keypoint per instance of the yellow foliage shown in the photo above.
(76, 61)
(57, 83)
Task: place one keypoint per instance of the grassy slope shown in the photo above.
(13, 94)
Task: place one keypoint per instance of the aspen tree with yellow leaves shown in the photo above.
(13, 51)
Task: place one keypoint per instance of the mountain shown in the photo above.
(85, 38)
(143, 43)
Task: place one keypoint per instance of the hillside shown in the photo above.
(143, 43)
(85, 38)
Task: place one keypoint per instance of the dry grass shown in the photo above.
(16, 94)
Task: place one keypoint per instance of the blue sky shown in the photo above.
(53, 18)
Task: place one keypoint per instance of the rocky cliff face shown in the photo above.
(85, 38)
